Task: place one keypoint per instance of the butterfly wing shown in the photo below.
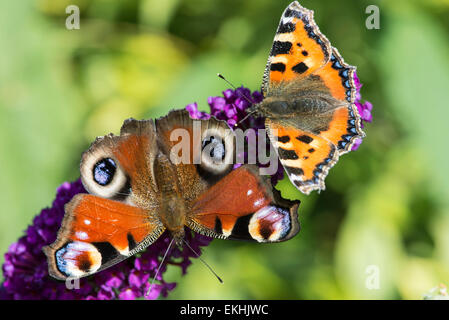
(97, 233)
(298, 50)
(242, 206)
(306, 157)
(315, 88)
(345, 125)
(119, 217)
(196, 169)
(237, 204)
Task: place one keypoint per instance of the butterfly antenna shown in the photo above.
(201, 259)
(245, 117)
(159, 268)
(241, 96)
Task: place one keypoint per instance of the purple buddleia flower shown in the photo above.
(25, 268)
(195, 114)
(364, 109)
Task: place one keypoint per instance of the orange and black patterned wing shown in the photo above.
(298, 50)
(119, 216)
(345, 126)
(97, 233)
(242, 206)
(309, 100)
(306, 157)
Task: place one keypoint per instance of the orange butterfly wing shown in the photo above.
(306, 157)
(97, 233)
(242, 206)
(299, 49)
(345, 126)
(302, 63)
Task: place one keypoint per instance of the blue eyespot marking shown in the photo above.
(60, 261)
(104, 171)
(76, 259)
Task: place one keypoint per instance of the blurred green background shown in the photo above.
(386, 205)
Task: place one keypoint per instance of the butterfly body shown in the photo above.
(307, 103)
(309, 95)
(138, 188)
(171, 204)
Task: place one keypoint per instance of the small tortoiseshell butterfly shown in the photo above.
(309, 106)
(137, 192)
